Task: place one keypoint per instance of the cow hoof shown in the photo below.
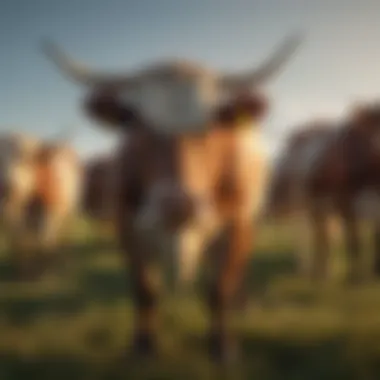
(144, 346)
(223, 351)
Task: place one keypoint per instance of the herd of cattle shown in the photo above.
(190, 180)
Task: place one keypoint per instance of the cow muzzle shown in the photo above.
(168, 210)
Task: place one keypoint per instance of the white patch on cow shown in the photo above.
(192, 242)
(176, 106)
(149, 216)
(180, 250)
(191, 245)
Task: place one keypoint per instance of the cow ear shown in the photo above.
(105, 107)
(243, 110)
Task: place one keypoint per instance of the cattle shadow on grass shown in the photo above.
(262, 269)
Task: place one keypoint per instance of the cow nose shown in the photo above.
(178, 208)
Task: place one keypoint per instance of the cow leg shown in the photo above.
(191, 245)
(47, 231)
(376, 236)
(54, 231)
(37, 226)
(17, 251)
(145, 295)
(321, 242)
(352, 240)
(302, 230)
(144, 287)
(17, 235)
(229, 274)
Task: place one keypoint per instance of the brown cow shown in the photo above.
(287, 201)
(186, 174)
(40, 183)
(293, 164)
(342, 172)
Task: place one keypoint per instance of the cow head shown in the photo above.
(174, 96)
(170, 108)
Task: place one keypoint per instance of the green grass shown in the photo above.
(77, 324)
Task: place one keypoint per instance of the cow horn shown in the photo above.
(77, 71)
(267, 69)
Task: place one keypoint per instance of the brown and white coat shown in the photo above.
(340, 178)
(40, 190)
(191, 174)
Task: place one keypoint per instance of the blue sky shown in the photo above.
(339, 63)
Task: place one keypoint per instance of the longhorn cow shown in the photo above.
(40, 183)
(192, 172)
(333, 169)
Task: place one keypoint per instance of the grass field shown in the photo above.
(76, 325)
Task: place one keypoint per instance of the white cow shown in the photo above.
(40, 188)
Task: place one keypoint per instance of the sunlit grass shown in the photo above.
(77, 324)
